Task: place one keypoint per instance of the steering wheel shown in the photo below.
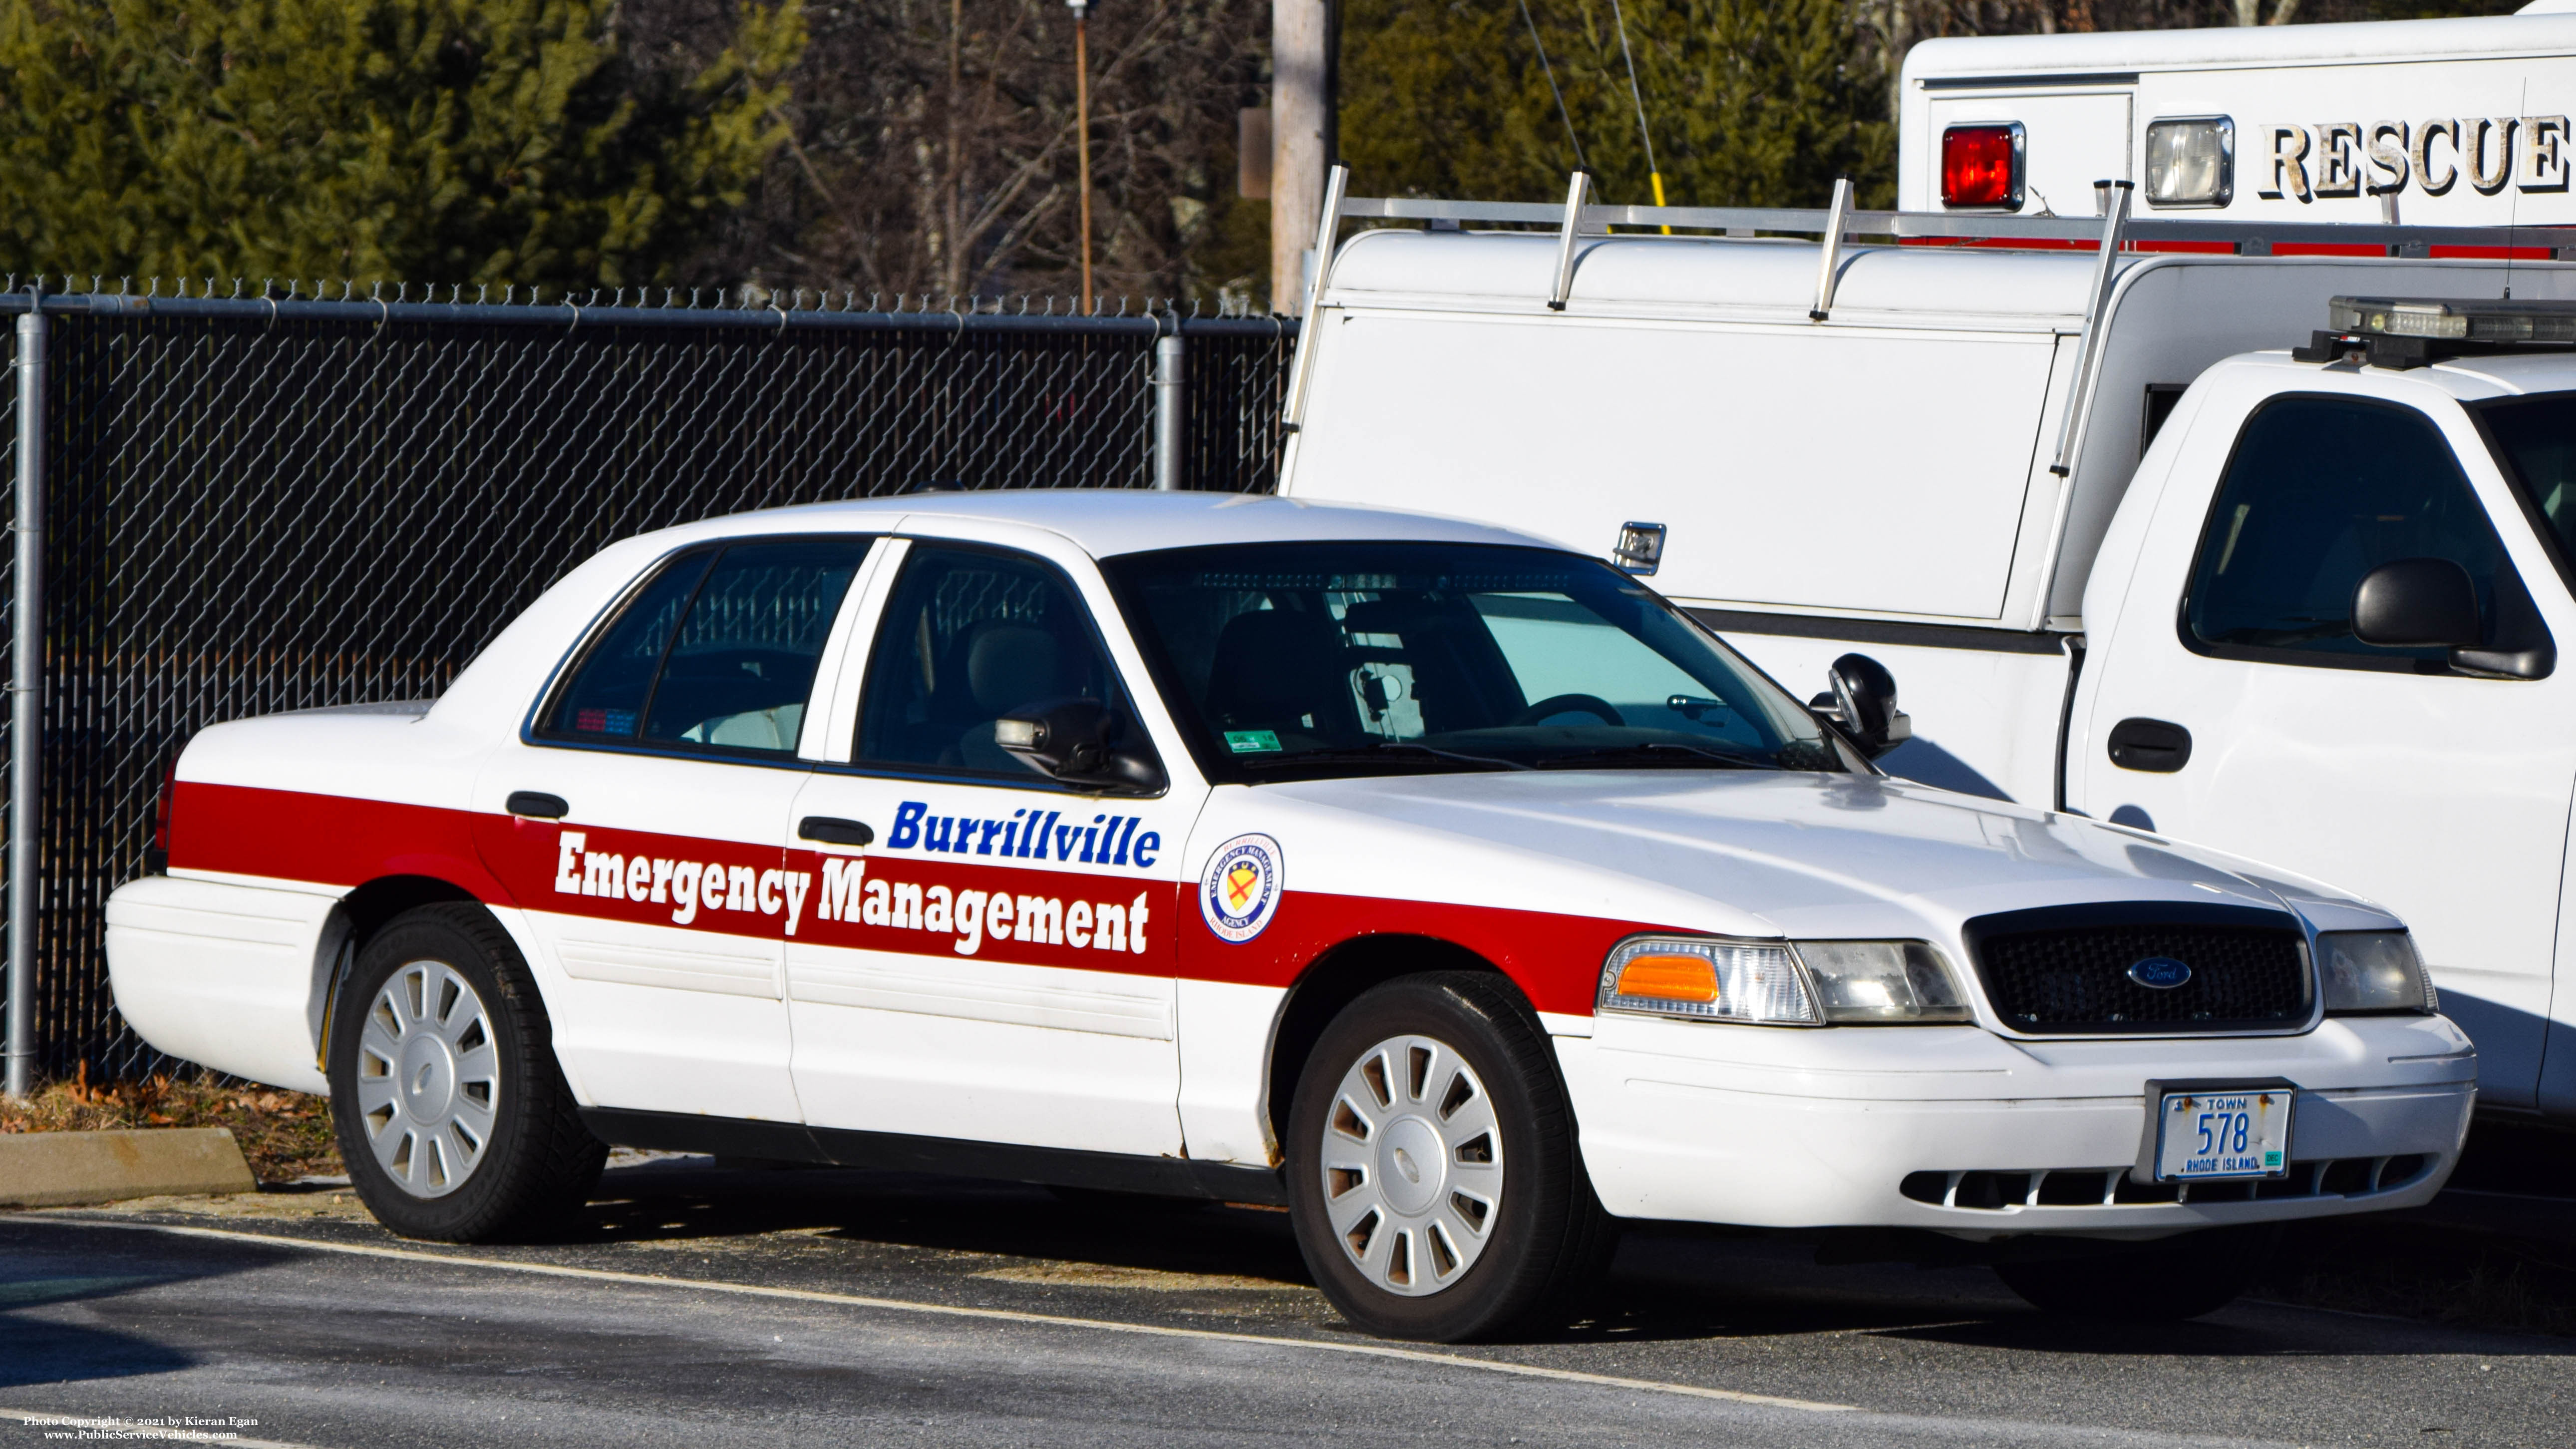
(1559, 704)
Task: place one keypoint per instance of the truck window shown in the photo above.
(2535, 444)
(2322, 490)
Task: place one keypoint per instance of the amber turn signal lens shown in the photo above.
(1668, 978)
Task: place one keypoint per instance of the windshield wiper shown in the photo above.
(1380, 751)
(1645, 752)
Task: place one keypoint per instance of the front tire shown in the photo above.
(2184, 1276)
(1434, 1177)
(451, 1113)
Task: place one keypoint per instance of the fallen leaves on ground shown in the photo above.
(284, 1135)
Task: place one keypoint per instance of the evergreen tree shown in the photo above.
(1752, 102)
(504, 141)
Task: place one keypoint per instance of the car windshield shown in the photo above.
(1293, 660)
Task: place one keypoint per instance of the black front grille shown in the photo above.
(2066, 970)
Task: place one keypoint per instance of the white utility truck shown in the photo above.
(2152, 526)
(2453, 122)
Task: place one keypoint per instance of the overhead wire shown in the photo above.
(1637, 93)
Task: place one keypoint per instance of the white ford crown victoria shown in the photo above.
(1443, 885)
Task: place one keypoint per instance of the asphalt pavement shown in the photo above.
(720, 1306)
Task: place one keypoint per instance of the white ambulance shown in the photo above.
(2128, 552)
(2449, 122)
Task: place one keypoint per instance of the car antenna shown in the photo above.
(2513, 218)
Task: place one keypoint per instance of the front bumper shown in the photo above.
(1962, 1131)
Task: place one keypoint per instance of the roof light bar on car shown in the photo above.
(2471, 320)
(2400, 332)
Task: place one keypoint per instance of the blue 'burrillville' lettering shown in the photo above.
(1027, 835)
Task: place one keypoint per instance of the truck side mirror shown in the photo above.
(1865, 699)
(1069, 740)
(2413, 603)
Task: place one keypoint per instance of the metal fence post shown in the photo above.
(1171, 400)
(26, 703)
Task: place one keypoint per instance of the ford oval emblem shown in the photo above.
(2159, 973)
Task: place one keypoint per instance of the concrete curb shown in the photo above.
(73, 1169)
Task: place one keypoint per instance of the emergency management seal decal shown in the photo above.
(1240, 891)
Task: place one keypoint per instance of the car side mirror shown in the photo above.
(2414, 603)
(1864, 697)
(1069, 740)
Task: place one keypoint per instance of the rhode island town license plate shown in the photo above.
(2223, 1134)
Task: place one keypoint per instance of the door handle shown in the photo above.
(538, 805)
(832, 830)
(2154, 745)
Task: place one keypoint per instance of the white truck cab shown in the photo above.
(2449, 122)
(2108, 516)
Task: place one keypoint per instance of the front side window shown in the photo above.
(2321, 491)
(1291, 660)
(716, 652)
(2535, 443)
(969, 636)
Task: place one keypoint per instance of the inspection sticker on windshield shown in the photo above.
(1252, 742)
(1240, 891)
(2223, 1134)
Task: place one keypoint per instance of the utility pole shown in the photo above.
(1082, 133)
(1301, 120)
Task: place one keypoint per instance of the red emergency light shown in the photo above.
(1981, 165)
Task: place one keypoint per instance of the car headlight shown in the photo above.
(1773, 983)
(2374, 971)
(1883, 982)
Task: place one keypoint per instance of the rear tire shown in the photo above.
(2162, 1281)
(1434, 1177)
(452, 1115)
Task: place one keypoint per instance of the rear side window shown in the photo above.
(716, 652)
(2321, 491)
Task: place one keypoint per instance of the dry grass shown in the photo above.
(285, 1135)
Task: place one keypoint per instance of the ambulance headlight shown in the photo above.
(2370, 972)
(1883, 983)
(2191, 161)
(1748, 981)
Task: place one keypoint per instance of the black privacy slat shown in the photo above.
(2073, 977)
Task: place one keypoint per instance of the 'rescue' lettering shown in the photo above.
(2386, 158)
(689, 886)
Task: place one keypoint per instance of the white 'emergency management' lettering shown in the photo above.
(690, 886)
(974, 917)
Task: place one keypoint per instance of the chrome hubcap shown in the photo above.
(1413, 1165)
(429, 1077)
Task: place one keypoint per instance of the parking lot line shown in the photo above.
(1003, 1315)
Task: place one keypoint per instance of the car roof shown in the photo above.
(2470, 379)
(1106, 522)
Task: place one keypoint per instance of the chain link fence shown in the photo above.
(260, 505)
